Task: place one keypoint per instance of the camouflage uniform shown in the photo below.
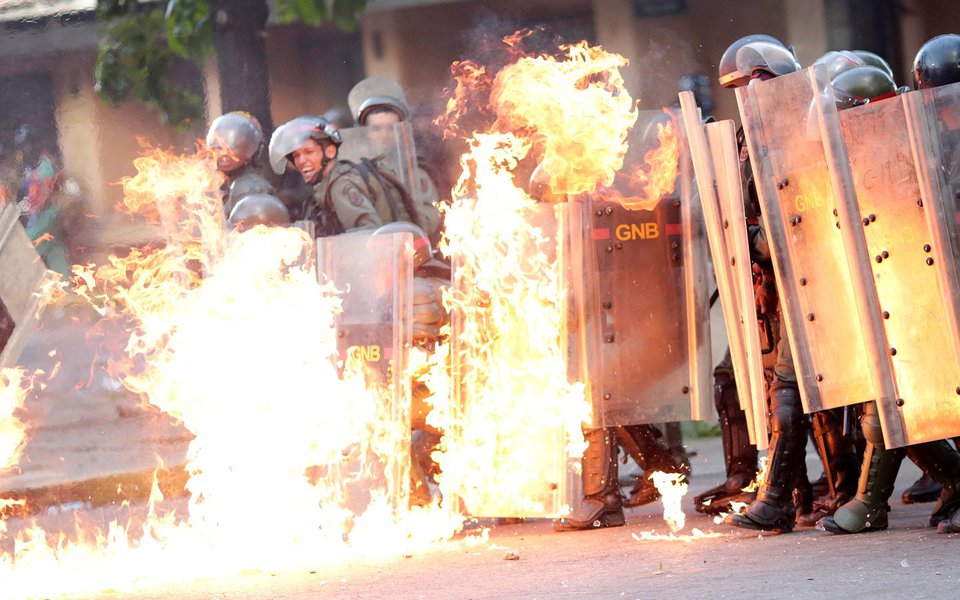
(343, 202)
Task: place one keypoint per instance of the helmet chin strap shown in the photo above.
(321, 171)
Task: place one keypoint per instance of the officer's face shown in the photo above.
(308, 159)
(381, 129)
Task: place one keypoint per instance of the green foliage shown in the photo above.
(144, 40)
(134, 62)
(345, 13)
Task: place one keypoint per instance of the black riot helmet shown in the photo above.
(422, 248)
(872, 59)
(729, 76)
(758, 58)
(938, 62)
(236, 138)
(860, 85)
(292, 136)
(259, 209)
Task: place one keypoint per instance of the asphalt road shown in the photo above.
(908, 560)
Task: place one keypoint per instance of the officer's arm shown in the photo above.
(353, 206)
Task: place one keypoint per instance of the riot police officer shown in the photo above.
(937, 63)
(379, 103)
(342, 200)
(775, 508)
(431, 276)
(236, 140)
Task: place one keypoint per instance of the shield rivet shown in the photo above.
(599, 212)
(803, 281)
(733, 261)
(899, 401)
(920, 203)
(606, 396)
(957, 390)
(879, 258)
(885, 254)
(685, 390)
(796, 220)
(607, 304)
(609, 247)
(893, 351)
(886, 315)
(608, 339)
(609, 210)
(726, 224)
(926, 248)
(873, 218)
(619, 246)
(676, 203)
(819, 377)
(835, 213)
(866, 221)
(929, 261)
(810, 316)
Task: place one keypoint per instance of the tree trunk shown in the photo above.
(239, 38)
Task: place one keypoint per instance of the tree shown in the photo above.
(144, 40)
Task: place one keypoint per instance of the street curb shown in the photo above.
(97, 491)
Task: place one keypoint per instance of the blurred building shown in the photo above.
(48, 50)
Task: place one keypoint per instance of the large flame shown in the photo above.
(233, 334)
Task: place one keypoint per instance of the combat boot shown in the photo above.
(951, 526)
(739, 455)
(773, 510)
(942, 463)
(602, 504)
(839, 458)
(642, 443)
(922, 490)
(868, 509)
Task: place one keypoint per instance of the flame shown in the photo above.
(294, 461)
(754, 485)
(656, 177)
(15, 384)
(673, 487)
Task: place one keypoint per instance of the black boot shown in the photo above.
(602, 504)
(838, 455)
(868, 509)
(942, 462)
(922, 490)
(739, 454)
(773, 510)
(642, 443)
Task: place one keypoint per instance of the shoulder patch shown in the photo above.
(353, 194)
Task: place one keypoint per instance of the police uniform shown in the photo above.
(343, 202)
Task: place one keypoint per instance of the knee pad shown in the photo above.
(786, 411)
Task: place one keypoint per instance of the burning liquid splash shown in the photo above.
(673, 487)
(200, 311)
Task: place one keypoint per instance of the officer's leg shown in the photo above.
(773, 510)
(642, 443)
(868, 509)
(740, 456)
(602, 504)
(942, 463)
(838, 454)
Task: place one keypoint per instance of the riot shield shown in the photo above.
(643, 292)
(375, 277)
(391, 148)
(816, 239)
(923, 129)
(23, 274)
(715, 160)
